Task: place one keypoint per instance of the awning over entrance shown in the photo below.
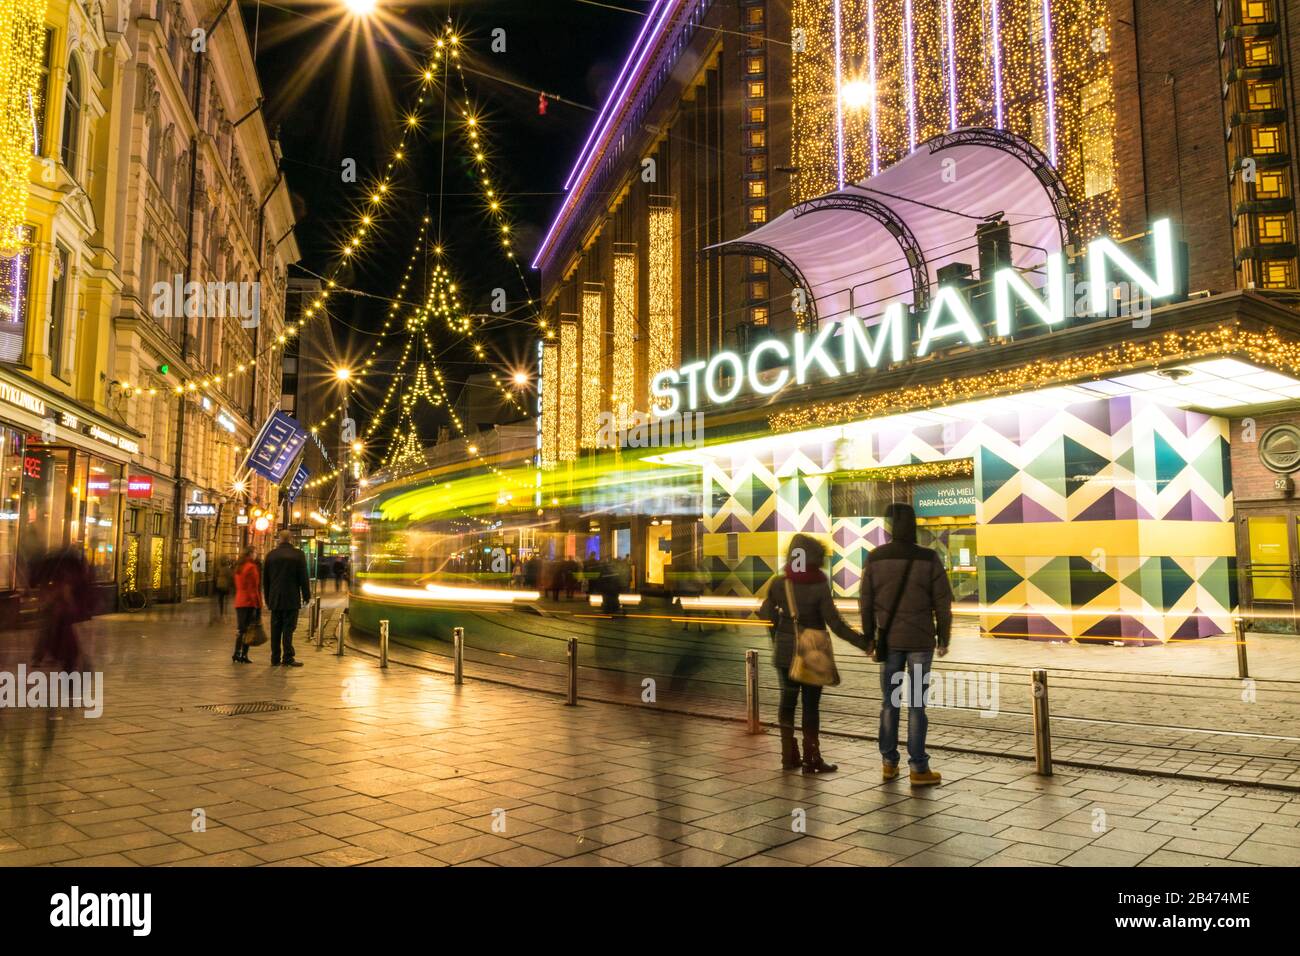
(885, 238)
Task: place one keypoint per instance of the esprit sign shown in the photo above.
(948, 321)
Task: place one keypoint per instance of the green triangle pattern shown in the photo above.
(1053, 579)
(1049, 466)
(993, 473)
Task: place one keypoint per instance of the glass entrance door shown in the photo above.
(1269, 542)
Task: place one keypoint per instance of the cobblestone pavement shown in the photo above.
(400, 767)
(1203, 728)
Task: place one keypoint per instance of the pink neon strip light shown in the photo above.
(871, 59)
(952, 71)
(997, 67)
(910, 75)
(644, 43)
(1051, 82)
(839, 102)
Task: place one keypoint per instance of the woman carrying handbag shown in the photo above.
(248, 605)
(799, 607)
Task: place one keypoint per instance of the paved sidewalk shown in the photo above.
(400, 767)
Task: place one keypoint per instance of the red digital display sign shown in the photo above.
(139, 486)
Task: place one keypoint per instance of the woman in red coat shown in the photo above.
(248, 601)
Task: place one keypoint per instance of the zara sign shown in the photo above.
(949, 320)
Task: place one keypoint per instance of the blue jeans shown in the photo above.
(894, 691)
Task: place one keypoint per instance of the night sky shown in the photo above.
(339, 106)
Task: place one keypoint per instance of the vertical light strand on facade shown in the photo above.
(891, 88)
(661, 290)
(1086, 123)
(857, 97)
(973, 64)
(593, 357)
(567, 419)
(909, 74)
(950, 37)
(622, 386)
(929, 80)
(995, 40)
(813, 97)
(839, 95)
(875, 87)
(1049, 69)
(22, 47)
(1023, 83)
(550, 387)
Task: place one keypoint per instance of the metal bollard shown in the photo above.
(1239, 625)
(318, 622)
(383, 643)
(458, 655)
(339, 632)
(751, 692)
(1042, 724)
(572, 699)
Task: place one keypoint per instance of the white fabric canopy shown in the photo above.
(939, 194)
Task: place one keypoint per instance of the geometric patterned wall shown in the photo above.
(1104, 521)
(1107, 521)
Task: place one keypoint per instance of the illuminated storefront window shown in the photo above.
(11, 478)
(103, 495)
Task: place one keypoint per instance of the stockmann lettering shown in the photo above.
(949, 319)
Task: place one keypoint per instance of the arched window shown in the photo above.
(72, 100)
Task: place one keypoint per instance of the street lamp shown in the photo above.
(343, 374)
(360, 8)
(857, 94)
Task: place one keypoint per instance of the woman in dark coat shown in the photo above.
(815, 609)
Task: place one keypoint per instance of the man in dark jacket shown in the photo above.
(912, 579)
(286, 587)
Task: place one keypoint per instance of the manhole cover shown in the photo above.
(248, 707)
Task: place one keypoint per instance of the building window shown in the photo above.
(72, 100)
(754, 16)
(1274, 228)
(756, 164)
(1276, 274)
(58, 310)
(758, 265)
(1265, 140)
(15, 296)
(758, 289)
(38, 108)
(1098, 144)
(1256, 11)
(757, 114)
(758, 316)
(757, 215)
(754, 65)
(1258, 51)
(757, 138)
(1263, 95)
(1270, 184)
(757, 89)
(756, 188)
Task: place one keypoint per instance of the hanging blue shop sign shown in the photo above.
(299, 479)
(933, 498)
(277, 445)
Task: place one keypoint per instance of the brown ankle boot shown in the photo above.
(789, 750)
(812, 756)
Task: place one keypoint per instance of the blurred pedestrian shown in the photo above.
(339, 569)
(247, 577)
(286, 586)
(223, 582)
(800, 601)
(66, 595)
(906, 605)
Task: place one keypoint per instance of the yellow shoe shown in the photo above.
(888, 771)
(927, 779)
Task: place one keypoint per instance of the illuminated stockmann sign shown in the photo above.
(949, 320)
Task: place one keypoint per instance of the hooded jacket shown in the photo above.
(924, 617)
(814, 606)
